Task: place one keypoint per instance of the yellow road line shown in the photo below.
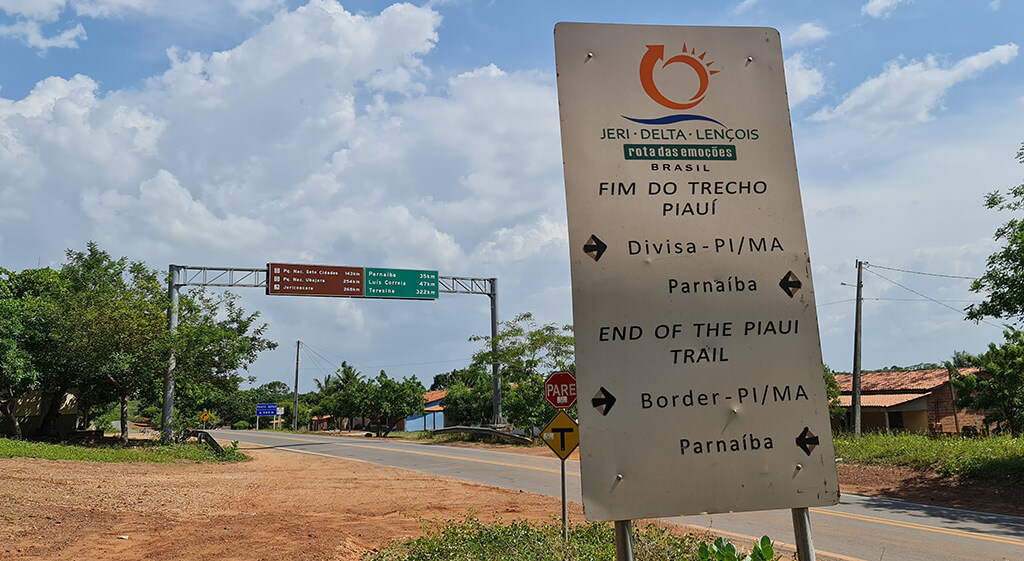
(916, 526)
(861, 517)
(431, 454)
(731, 535)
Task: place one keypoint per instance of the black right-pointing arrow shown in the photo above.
(594, 247)
(790, 284)
(807, 441)
(603, 401)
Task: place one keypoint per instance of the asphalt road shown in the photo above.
(857, 529)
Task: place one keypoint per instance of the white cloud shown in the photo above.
(317, 127)
(31, 34)
(807, 33)
(253, 7)
(803, 82)
(910, 92)
(880, 8)
(165, 210)
(50, 10)
(110, 8)
(201, 12)
(43, 10)
(348, 316)
(510, 245)
(876, 198)
(320, 138)
(744, 6)
(994, 5)
(63, 129)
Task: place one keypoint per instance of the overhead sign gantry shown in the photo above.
(297, 279)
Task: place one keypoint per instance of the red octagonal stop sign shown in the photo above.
(560, 390)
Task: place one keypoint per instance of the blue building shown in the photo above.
(433, 414)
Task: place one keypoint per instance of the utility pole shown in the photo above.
(295, 406)
(856, 349)
(498, 418)
(172, 327)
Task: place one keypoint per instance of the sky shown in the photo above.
(425, 136)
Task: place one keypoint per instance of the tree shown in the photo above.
(1003, 280)
(51, 330)
(17, 373)
(523, 347)
(118, 309)
(387, 399)
(961, 359)
(999, 386)
(832, 390)
(526, 354)
(524, 402)
(443, 380)
(340, 394)
(468, 405)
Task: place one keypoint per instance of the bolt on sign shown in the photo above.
(698, 360)
(355, 282)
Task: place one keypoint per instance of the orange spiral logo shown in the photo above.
(649, 63)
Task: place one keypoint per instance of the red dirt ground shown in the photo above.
(301, 507)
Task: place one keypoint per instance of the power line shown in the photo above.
(925, 300)
(898, 300)
(318, 352)
(466, 360)
(930, 299)
(838, 302)
(869, 265)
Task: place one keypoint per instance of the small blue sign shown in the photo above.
(266, 409)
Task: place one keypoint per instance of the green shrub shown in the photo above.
(479, 541)
(241, 425)
(150, 412)
(137, 451)
(998, 457)
(722, 550)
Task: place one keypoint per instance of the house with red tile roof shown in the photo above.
(909, 400)
(433, 414)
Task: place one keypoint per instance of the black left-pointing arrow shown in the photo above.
(603, 401)
(790, 284)
(594, 247)
(807, 441)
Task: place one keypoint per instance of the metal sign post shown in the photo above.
(565, 507)
(802, 532)
(623, 540)
(561, 434)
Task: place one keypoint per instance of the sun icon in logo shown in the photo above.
(649, 63)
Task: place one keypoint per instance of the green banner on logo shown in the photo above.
(702, 152)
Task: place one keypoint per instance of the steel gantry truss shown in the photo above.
(256, 277)
(227, 277)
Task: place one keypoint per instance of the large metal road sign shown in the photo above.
(297, 279)
(698, 361)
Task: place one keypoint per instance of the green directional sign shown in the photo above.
(400, 283)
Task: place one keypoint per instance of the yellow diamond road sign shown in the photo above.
(561, 434)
